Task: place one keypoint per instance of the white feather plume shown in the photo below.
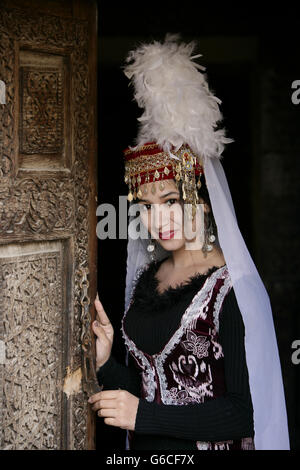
(178, 105)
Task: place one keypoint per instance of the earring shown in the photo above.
(151, 250)
(209, 237)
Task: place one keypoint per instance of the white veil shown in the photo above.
(265, 378)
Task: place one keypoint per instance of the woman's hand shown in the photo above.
(104, 331)
(117, 407)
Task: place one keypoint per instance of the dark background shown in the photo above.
(252, 58)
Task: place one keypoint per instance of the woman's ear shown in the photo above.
(205, 205)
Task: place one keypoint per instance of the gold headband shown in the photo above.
(151, 163)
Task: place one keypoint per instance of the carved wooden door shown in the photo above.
(47, 222)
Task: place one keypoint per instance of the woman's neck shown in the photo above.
(184, 259)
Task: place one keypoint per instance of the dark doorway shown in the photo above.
(241, 50)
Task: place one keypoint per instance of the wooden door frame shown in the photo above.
(85, 11)
(93, 149)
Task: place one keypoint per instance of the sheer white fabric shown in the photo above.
(265, 377)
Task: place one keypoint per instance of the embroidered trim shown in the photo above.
(219, 300)
(197, 308)
(203, 445)
(247, 443)
(148, 373)
(224, 445)
(137, 275)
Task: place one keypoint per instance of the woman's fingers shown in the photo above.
(102, 317)
(107, 413)
(103, 405)
(95, 397)
(97, 329)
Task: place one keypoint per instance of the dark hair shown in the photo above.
(209, 219)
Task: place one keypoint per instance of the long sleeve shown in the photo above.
(113, 375)
(223, 418)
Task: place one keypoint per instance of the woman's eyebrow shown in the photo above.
(161, 197)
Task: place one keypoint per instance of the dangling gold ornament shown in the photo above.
(161, 185)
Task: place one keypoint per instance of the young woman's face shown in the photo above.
(163, 215)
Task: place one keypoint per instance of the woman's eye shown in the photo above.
(169, 202)
(172, 201)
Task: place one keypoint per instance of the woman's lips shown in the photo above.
(166, 235)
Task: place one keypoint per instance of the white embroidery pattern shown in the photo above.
(225, 445)
(203, 445)
(182, 361)
(190, 391)
(217, 348)
(247, 443)
(181, 397)
(197, 344)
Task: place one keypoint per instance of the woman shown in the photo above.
(162, 295)
(197, 324)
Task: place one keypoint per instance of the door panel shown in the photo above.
(47, 227)
(44, 120)
(33, 325)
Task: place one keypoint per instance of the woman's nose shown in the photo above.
(156, 217)
(161, 217)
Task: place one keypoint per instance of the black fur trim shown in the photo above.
(147, 296)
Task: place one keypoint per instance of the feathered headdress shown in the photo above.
(178, 105)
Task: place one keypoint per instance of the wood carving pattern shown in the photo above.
(41, 117)
(40, 210)
(7, 59)
(38, 206)
(32, 324)
(81, 137)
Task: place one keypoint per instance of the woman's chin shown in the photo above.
(171, 244)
